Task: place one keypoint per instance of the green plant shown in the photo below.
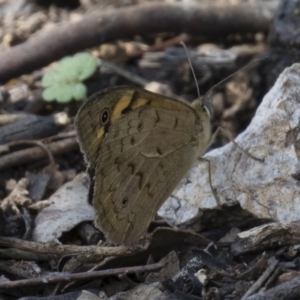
(64, 83)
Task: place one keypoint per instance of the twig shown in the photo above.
(273, 276)
(94, 268)
(20, 249)
(33, 127)
(146, 18)
(162, 45)
(31, 142)
(60, 136)
(128, 75)
(261, 280)
(11, 118)
(80, 276)
(36, 153)
(288, 291)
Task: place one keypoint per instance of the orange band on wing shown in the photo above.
(121, 105)
(100, 134)
(140, 102)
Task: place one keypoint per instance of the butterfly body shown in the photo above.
(138, 145)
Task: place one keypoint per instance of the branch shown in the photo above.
(107, 26)
(20, 249)
(32, 154)
(80, 276)
(287, 290)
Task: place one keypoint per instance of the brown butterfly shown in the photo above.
(138, 145)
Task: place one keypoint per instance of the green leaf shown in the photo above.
(64, 82)
(48, 79)
(49, 94)
(79, 92)
(64, 94)
(90, 65)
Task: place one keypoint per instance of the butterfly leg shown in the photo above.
(209, 180)
(213, 137)
(211, 140)
(228, 135)
(231, 139)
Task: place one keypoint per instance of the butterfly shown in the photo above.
(138, 145)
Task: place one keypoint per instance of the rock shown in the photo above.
(245, 187)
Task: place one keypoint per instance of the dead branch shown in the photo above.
(80, 276)
(36, 153)
(103, 27)
(11, 118)
(288, 290)
(20, 249)
(175, 41)
(262, 279)
(273, 235)
(33, 127)
(35, 143)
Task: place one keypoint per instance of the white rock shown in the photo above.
(266, 190)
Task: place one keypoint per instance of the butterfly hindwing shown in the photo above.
(139, 155)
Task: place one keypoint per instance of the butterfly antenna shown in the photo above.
(191, 66)
(243, 68)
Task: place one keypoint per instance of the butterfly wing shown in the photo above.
(137, 158)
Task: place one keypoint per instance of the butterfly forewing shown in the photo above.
(139, 156)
